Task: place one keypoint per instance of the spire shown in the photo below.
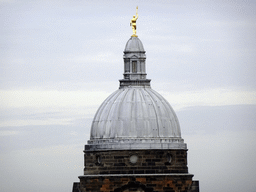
(134, 64)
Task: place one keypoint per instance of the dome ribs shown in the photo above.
(155, 128)
(169, 118)
(97, 130)
(172, 116)
(120, 119)
(147, 124)
(141, 114)
(112, 118)
(135, 112)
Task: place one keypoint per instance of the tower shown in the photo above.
(135, 142)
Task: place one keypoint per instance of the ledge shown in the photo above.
(138, 82)
(138, 175)
(134, 146)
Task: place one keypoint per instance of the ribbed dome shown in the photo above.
(134, 45)
(135, 113)
(135, 116)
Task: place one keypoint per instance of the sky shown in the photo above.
(60, 59)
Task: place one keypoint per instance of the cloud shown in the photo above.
(52, 107)
(8, 133)
(50, 98)
(107, 57)
(210, 97)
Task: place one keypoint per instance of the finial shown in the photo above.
(133, 23)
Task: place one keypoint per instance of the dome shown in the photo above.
(135, 116)
(134, 45)
(135, 113)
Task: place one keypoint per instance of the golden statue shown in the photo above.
(133, 23)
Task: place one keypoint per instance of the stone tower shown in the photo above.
(135, 142)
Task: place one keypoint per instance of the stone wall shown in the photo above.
(148, 183)
(135, 162)
(136, 170)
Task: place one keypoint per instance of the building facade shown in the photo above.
(135, 142)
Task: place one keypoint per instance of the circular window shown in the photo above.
(134, 159)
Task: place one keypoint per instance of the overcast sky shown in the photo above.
(60, 59)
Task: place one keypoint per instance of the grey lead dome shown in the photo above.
(133, 113)
(134, 44)
(135, 116)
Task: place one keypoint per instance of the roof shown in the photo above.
(135, 112)
(135, 116)
(134, 45)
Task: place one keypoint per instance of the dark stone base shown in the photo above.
(138, 182)
(76, 187)
(136, 170)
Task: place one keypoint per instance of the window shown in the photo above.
(134, 66)
(127, 67)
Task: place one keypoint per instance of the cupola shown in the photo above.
(134, 64)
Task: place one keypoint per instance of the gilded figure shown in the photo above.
(133, 23)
